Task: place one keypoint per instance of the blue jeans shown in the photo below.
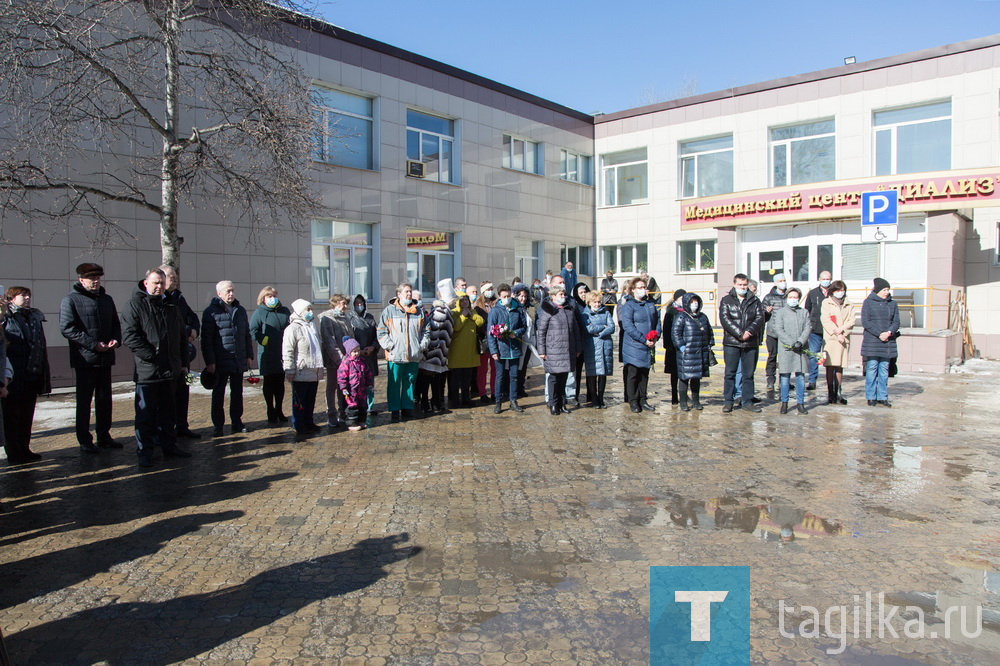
(800, 387)
(739, 360)
(815, 345)
(738, 394)
(506, 379)
(877, 379)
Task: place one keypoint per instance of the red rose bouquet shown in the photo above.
(501, 332)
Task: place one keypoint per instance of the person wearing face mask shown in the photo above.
(454, 391)
(559, 343)
(693, 338)
(155, 333)
(302, 360)
(403, 334)
(434, 366)
(487, 366)
(89, 320)
(227, 346)
(580, 291)
(267, 326)
(365, 332)
(639, 318)
(463, 354)
(813, 305)
(880, 321)
(772, 301)
(523, 296)
(597, 329)
(742, 319)
(28, 355)
(506, 350)
(674, 307)
(738, 386)
(792, 325)
(334, 326)
(838, 318)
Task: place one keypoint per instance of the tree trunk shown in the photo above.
(169, 243)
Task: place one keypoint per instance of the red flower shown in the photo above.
(653, 336)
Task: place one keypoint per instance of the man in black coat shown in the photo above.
(742, 319)
(89, 320)
(814, 303)
(154, 331)
(228, 350)
(192, 326)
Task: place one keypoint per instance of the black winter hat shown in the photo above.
(880, 284)
(208, 380)
(679, 293)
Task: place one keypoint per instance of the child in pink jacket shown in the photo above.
(354, 377)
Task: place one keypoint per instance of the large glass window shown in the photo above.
(522, 154)
(430, 257)
(347, 131)
(625, 176)
(527, 259)
(803, 153)
(913, 139)
(625, 259)
(580, 256)
(695, 256)
(576, 167)
(342, 259)
(431, 140)
(706, 166)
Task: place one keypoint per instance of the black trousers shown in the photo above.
(636, 383)
(18, 415)
(357, 415)
(771, 367)
(745, 360)
(522, 372)
(464, 378)
(155, 414)
(595, 389)
(695, 385)
(235, 382)
(273, 388)
(430, 388)
(182, 399)
(557, 388)
(579, 373)
(93, 384)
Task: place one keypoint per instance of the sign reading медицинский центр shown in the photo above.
(940, 190)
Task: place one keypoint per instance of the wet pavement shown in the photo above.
(470, 538)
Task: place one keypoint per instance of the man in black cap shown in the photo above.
(89, 320)
(154, 331)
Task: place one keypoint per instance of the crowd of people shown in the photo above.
(467, 342)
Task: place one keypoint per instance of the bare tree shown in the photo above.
(650, 94)
(152, 103)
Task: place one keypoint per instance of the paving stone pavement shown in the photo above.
(471, 538)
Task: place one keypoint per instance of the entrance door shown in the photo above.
(769, 264)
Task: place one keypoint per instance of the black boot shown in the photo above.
(802, 409)
(784, 408)
(838, 394)
(554, 409)
(831, 393)
(498, 407)
(696, 400)
(516, 407)
(682, 400)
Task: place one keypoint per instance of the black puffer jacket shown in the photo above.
(85, 319)
(225, 336)
(737, 317)
(26, 350)
(877, 316)
(776, 300)
(693, 338)
(813, 305)
(366, 333)
(154, 331)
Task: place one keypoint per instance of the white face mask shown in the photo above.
(793, 302)
(825, 283)
(839, 294)
(505, 302)
(488, 293)
(559, 300)
(639, 294)
(741, 292)
(595, 308)
(782, 286)
(694, 306)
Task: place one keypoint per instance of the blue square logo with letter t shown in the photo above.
(699, 615)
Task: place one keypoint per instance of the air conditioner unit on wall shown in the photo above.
(415, 169)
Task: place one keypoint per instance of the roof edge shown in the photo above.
(784, 82)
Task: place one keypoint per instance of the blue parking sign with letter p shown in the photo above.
(879, 208)
(699, 615)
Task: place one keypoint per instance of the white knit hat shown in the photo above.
(299, 306)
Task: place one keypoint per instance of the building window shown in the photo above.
(581, 258)
(431, 140)
(625, 177)
(430, 257)
(347, 134)
(625, 259)
(342, 259)
(706, 166)
(575, 167)
(528, 256)
(522, 155)
(913, 139)
(697, 256)
(803, 153)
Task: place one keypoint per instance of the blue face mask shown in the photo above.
(309, 316)
(793, 302)
(825, 283)
(406, 302)
(271, 302)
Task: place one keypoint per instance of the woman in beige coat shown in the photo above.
(837, 316)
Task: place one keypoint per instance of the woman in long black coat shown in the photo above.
(28, 355)
(693, 338)
(670, 310)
